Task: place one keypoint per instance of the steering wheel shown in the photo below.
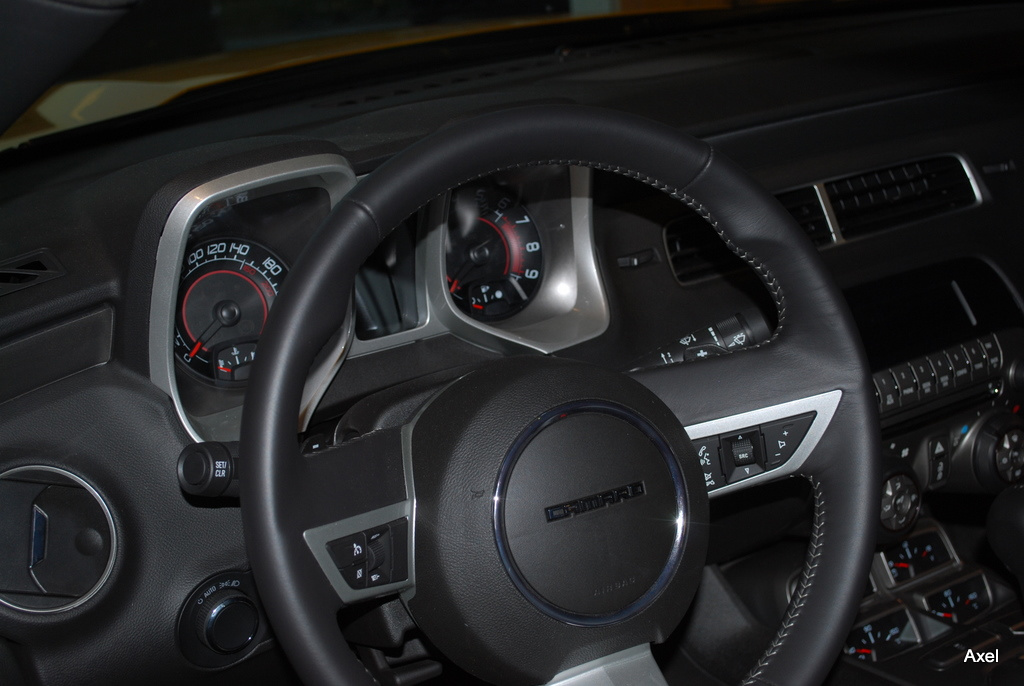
(541, 519)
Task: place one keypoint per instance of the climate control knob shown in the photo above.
(999, 452)
(227, 622)
(901, 502)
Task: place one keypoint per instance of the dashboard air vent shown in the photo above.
(695, 251)
(883, 198)
(805, 206)
(28, 270)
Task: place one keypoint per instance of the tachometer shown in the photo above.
(226, 290)
(494, 256)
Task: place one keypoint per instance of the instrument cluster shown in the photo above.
(506, 262)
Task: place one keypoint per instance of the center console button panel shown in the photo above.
(934, 376)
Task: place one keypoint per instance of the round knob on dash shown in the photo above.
(227, 622)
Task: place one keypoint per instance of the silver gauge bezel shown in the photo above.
(330, 172)
(569, 307)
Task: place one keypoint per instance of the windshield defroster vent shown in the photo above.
(27, 270)
(895, 195)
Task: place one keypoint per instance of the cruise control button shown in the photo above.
(710, 465)
(377, 577)
(355, 576)
(943, 372)
(782, 438)
(348, 551)
(925, 378)
(888, 390)
(378, 554)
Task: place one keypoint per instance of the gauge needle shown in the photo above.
(205, 336)
(466, 267)
(225, 313)
(478, 256)
(519, 289)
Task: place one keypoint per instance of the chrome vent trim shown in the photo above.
(805, 204)
(883, 198)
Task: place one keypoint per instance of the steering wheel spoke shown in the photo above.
(625, 668)
(752, 416)
(763, 444)
(354, 512)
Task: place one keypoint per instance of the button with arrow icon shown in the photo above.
(783, 437)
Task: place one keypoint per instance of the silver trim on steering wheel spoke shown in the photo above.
(318, 538)
(823, 405)
(632, 667)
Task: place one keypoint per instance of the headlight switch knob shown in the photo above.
(227, 621)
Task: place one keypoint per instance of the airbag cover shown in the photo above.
(590, 511)
(561, 515)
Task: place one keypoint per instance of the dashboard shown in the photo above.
(136, 277)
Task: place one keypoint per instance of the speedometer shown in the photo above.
(226, 290)
(494, 257)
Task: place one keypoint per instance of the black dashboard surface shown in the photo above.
(796, 103)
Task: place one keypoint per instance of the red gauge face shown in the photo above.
(227, 288)
(494, 257)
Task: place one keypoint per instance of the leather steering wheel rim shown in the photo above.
(815, 348)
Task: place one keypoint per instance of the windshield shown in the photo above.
(164, 49)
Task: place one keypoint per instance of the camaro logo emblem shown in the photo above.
(593, 502)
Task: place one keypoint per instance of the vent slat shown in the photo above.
(805, 206)
(27, 270)
(695, 251)
(884, 198)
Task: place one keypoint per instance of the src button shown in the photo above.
(742, 455)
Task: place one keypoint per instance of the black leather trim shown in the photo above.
(815, 349)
